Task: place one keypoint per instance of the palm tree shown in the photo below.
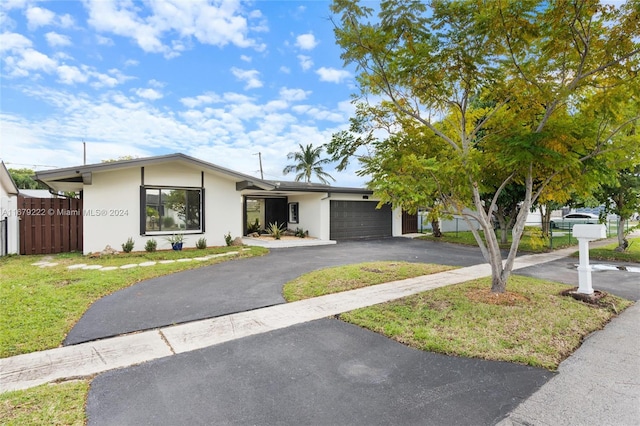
(308, 162)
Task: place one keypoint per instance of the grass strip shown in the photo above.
(38, 306)
(529, 324)
(50, 404)
(531, 241)
(350, 277)
(632, 254)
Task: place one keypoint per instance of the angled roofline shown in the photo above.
(83, 175)
(8, 181)
(80, 171)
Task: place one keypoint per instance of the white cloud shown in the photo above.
(104, 41)
(107, 16)
(214, 24)
(332, 75)
(57, 40)
(248, 76)
(66, 21)
(206, 99)
(306, 41)
(316, 113)
(36, 61)
(71, 75)
(150, 94)
(305, 62)
(39, 17)
(245, 58)
(13, 42)
(114, 77)
(293, 94)
(227, 134)
(157, 84)
(285, 70)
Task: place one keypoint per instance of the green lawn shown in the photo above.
(530, 324)
(531, 241)
(38, 306)
(50, 404)
(632, 254)
(334, 280)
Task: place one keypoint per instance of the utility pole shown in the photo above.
(84, 148)
(260, 160)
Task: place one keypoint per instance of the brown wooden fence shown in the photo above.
(50, 225)
(409, 223)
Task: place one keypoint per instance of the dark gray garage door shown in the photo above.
(359, 219)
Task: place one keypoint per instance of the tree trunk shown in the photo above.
(621, 225)
(545, 219)
(503, 234)
(498, 284)
(435, 228)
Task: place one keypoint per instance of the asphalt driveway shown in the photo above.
(324, 372)
(244, 284)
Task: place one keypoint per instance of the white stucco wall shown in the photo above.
(111, 210)
(9, 210)
(112, 206)
(309, 213)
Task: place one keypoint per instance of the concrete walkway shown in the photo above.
(588, 388)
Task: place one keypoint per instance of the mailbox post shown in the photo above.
(584, 234)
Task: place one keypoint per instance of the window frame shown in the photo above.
(294, 212)
(160, 188)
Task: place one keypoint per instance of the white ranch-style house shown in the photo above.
(156, 197)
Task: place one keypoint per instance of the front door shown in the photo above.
(275, 211)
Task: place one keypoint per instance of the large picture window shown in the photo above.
(172, 209)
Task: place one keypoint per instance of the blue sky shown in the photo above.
(218, 80)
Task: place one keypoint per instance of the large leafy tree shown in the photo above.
(308, 162)
(485, 95)
(621, 196)
(24, 179)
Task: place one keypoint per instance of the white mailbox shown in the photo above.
(585, 233)
(590, 231)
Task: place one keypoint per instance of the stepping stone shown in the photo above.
(201, 259)
(184, 260)
(129, 266)
(150, 263)
(42, 262)
(48, 265)
(77, 266)
(164, 262)
(109, 268)
(93, 267)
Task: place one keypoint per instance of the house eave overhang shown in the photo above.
(7, 181)
(74, 178)
(254, 185)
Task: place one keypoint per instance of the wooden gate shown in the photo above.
(409, 223)
(50, 225)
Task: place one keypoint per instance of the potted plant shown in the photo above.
(176, 241)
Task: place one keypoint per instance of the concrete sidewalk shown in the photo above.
(607, 363)
(599, 384)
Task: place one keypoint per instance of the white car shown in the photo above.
(571, 219)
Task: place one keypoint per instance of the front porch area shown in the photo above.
(286, 242)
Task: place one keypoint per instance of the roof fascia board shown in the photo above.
(138, 162)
